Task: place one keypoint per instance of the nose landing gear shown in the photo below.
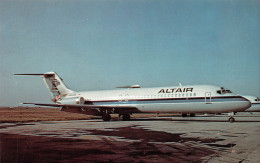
(231, 119)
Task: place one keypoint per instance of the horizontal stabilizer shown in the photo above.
(30, 74)
(54, 83)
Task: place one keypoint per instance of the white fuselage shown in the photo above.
(175, 99)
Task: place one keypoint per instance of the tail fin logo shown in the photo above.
(58, 98)
(55, 84)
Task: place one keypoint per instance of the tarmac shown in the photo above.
(160, 139)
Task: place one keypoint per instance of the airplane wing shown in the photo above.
(118, 107)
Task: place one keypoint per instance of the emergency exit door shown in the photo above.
(208, 97)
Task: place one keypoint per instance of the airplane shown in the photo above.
(189, 99)
(255, 104)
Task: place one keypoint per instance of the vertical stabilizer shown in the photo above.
(54, 83)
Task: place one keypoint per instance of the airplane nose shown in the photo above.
(249, 104)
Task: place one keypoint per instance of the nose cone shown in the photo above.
(249, 104)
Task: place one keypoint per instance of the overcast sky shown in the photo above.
(101, 44)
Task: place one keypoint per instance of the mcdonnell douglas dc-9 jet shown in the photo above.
(189, 99)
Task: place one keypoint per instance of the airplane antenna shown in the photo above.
(180, 84)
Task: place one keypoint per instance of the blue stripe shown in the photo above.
(156, 101)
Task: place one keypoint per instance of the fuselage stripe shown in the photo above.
(170, 100)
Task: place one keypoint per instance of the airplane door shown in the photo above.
(208, 97)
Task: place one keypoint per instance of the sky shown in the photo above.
(101, 44)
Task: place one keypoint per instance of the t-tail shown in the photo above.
(55, 85)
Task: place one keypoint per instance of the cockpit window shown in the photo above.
(223, 91)
(257, 99)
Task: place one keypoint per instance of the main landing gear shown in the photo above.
(106, 116)
(125, 116)
(186, 115)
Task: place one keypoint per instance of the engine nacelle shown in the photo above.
(72, 100)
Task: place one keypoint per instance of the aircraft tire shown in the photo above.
(126, 117)
(192, 114)
(184, 115)
(106, 117)
(231, 119)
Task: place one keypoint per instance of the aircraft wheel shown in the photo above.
(184, 115)
(192, 114)
(126, 117)
(231, 119)
(106, 117)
